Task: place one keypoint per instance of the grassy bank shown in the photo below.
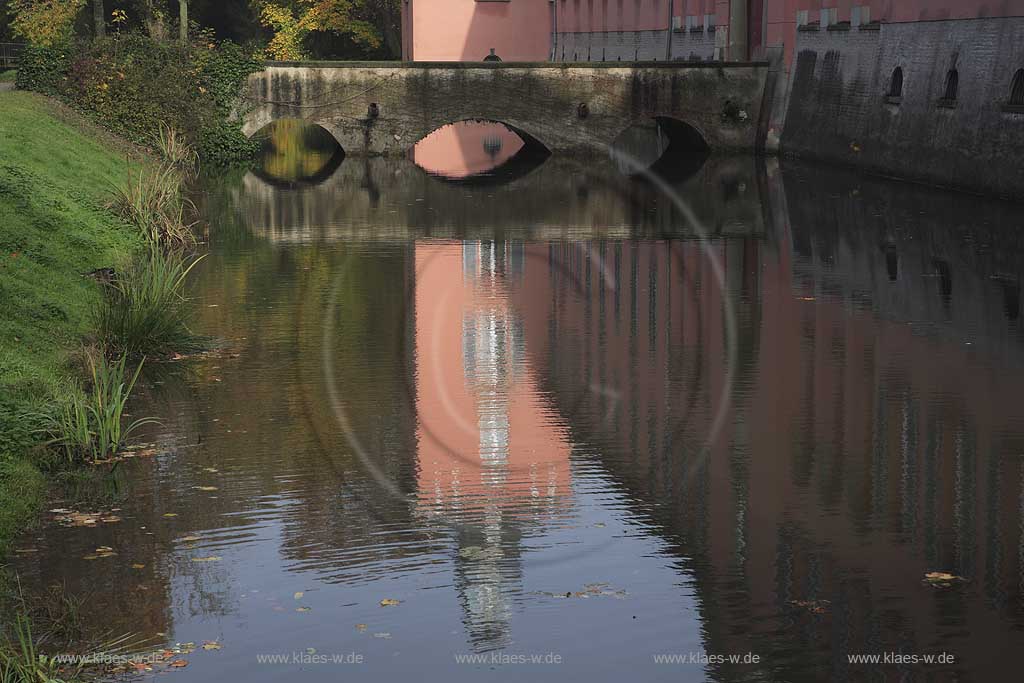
(56, 178)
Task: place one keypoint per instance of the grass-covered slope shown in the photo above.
(56, 177)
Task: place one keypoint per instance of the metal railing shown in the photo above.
(10, 53)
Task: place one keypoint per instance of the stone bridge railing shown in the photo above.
(386, 107)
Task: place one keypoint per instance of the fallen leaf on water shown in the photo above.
(361, 627)
(298, 595)
(210, 469)
(212, 645)
(170, 514)
(138, 566)
(389, 602)
(212, 558)
(302, 609)
(188, 539)
(205, 488)
(179, 663)
(86, 519)
(812, 606)
(942, 579)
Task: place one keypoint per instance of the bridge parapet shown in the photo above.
(376, 108)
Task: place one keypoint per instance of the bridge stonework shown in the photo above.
(384, 108)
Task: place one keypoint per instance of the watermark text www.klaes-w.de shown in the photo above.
(706, 658)
(309, 658)
(901, 658)
(502, 658)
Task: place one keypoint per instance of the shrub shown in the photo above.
(43, 69)
(145, 310)
(133, 85)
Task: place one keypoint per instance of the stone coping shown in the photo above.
(673, 64)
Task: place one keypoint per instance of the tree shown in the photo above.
(44, 22)
(294, 20)
(99, 18)
(183, 21)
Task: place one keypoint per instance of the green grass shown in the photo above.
(8, 76)
(55, 183)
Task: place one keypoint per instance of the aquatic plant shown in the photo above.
(145, 310)
(21, 661)
(152, 200)
(89, 426)
(176, 151)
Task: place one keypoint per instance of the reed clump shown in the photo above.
(89, 425)
(153, 199)
(145, 308)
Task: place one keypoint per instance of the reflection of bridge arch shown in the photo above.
(383, 108)
(479, 152)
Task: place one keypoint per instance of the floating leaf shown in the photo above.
(298, 595)
(389, 602)
(179, 663)
(812, 606)
(212, 558)
(205, 488)
(302, 609)
(212, 645)
(138, 566)
(361, 627)
(942, 579)
(188, 539)
(170, 514)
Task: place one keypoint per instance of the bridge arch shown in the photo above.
(478, 151)
(665, 144)
(296, 153)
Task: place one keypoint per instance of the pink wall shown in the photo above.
(466, 30)
(612, 15)
(520, 30)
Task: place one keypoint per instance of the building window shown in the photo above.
(1017, 90)
(860, 15)
(952, 85)
(802, 18)
(829, 16)
(896, 83)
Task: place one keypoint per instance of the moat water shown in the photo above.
(580, 426)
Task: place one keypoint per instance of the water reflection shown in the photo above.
(534, 368)
(478, 152)
(296, 153)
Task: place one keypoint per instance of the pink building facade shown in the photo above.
(467, 30)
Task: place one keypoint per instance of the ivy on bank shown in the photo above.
(130, 84)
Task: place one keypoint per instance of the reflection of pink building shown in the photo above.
(486, 436)
(467, 30)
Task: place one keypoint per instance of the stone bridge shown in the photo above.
(375, 108)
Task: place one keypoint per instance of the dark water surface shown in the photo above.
(555, 423)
